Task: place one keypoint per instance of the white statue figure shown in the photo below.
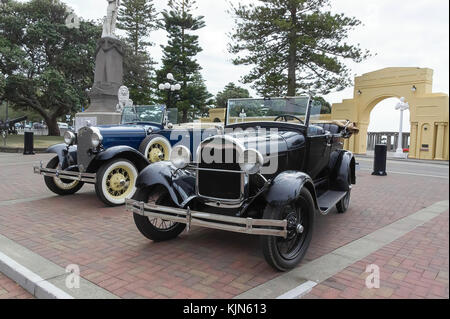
(124, 99)
(109, 22)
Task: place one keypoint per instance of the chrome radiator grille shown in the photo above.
(84, 144)
(217, 181)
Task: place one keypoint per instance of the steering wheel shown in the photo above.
(286, 116)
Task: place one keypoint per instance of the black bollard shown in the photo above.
(28, 144)
(379, 164)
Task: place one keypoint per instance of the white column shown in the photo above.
(402, 106)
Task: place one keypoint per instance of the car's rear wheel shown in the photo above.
(286, 253)
(344, 203)
(156, 229)
(59, 186)
(156, 148)
(116, 181)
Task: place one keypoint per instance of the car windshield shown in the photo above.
(145, 113)
(256, 110)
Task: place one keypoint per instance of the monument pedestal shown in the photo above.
(96, 118)
(108, 79)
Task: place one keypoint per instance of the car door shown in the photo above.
(318, 154)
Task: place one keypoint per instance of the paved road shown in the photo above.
(408, 168)
(114, 256)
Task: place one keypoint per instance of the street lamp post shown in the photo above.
(169, 87)
(402, 106)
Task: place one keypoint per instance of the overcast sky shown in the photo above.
(403, 33)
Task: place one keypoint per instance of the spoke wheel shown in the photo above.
(61, 186)
(286, 253)
(296, 217)
(156, 148)
(157, 229)
(116, 181)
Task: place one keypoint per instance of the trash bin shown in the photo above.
(379, 163)
(28, 148)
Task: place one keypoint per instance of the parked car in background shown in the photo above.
(275, 167)
(111, 156)
(39, 126)
(62, 125)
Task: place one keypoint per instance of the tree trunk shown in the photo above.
(52, 124)
(185, 116)
(292, 58)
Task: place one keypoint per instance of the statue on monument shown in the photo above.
(108, 77)
(109, 22)
(124, 99)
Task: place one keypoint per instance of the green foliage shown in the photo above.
(326, 106)
(138, 18)
(231, 91)
(139, 76)
(179, 59)
(295, 46)
(47, 65)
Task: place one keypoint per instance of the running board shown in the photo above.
(328, 200)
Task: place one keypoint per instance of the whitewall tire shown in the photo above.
(116, 182)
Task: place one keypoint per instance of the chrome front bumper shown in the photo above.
(193, 218)
(61, 174)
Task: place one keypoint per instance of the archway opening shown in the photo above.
(385, 124)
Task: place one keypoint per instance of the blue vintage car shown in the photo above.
(111, 156)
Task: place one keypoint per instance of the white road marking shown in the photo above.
(406, 173)
(300, 291)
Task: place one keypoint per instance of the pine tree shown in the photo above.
(138, 18)
(231, 91)
(179, 59)
(296, 46)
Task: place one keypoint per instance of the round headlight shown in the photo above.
(180, 156)
(97, 139)
(69, 138)
(251, 161)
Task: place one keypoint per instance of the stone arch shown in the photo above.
(425, 107)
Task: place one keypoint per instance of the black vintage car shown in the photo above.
(275, 167)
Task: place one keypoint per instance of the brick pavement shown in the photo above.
(111, 253)
(10, 290)
(413, 266)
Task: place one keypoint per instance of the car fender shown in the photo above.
(286, 187)
(179, 183)
(345, 161)
(125, 152)
(67, 156)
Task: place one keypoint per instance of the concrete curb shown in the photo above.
(29, 281)
(41, 277)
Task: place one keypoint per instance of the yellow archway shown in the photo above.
(429, 111)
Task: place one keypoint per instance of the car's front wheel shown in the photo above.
(61, 186)
(156, 229)
(116, 181)
(285, 253)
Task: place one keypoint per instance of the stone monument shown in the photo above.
(108, 77)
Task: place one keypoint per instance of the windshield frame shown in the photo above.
(135, 107)
(307, 115)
